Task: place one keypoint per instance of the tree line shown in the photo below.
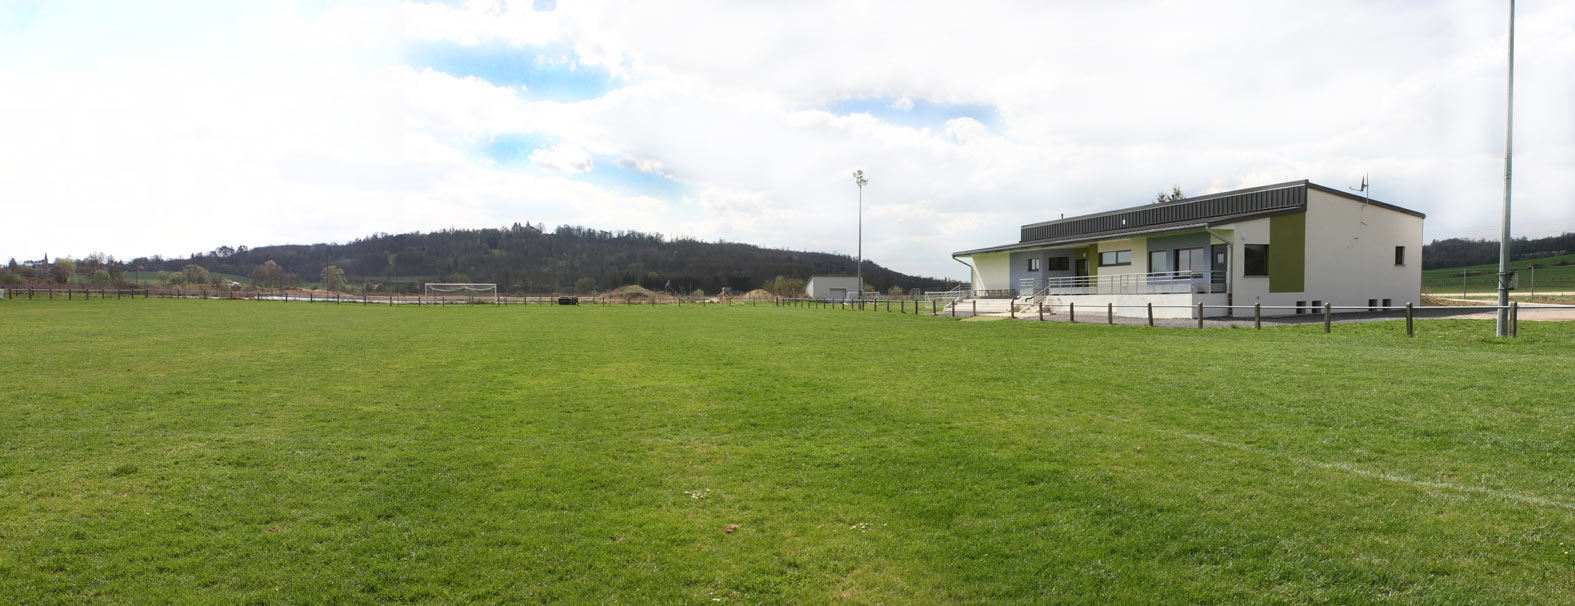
(1460, 252)
(521, 258)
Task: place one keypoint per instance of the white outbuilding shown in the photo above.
(832, 287)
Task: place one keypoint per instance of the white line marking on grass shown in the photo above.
(1349, 468)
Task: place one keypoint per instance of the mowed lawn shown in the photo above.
(261, 452)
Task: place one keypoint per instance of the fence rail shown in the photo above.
(1409, 312)
(917, 304)
(308, 296)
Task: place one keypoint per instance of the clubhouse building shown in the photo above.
(1296, 244)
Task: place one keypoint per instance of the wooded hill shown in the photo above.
(525, 258)
(1461, 252)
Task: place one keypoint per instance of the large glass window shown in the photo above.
(1115, 257)
(1156, 261)
(1255, 261)
(1191, 260)
(1058, 263)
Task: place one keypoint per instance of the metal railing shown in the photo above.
(1160, 282)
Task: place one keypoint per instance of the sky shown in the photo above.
(173, 128)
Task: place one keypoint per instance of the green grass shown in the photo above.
(1485, 277)
(158, 451)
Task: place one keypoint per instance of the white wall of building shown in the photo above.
(1351, 250)
(992, 271)
(821, 287)
(1349, 256)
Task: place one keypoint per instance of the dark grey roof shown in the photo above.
(1191, 213)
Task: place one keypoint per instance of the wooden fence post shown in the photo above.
(1200, 315)
(1041, 311)
(1110, 313)
(1071, 313)
(1326, 308)
(1514, 318)
(1408, 327)
(1151, 313)
(1257, 316)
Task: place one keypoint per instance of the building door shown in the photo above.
(838, 294)
(1192, 264)
(1082, 267)
(1221, 254)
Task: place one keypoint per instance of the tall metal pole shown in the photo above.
(1509, 148)
(858, 177)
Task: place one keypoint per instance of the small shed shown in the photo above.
(832, 287)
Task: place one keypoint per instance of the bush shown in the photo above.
(10, 278)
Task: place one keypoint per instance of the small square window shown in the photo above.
(1372, 305)
(1033, 264)
(1399, 255)
(1386, 303)
(1255, 259)
(1301, 307)
(1317, 306)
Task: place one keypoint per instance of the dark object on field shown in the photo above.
(568, 300)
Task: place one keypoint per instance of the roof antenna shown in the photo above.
(1366, 196)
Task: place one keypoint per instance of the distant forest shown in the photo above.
(528, 259)
(1460, 252)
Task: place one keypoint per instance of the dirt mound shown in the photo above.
(756, 295)
(632, 291)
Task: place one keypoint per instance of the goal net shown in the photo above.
(439, 293)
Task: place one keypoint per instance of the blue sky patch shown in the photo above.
(923, 114)
(548, 73)
(512, 151)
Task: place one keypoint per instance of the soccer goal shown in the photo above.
(439, 293)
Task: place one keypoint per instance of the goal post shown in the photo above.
(436, 293)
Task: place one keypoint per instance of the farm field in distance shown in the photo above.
(1551, 277)
(158, 451)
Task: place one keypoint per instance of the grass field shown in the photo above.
(1484, 278)
(158, 451)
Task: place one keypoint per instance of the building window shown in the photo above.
(1255, 260)
(1372, 305)
(1115, 257)
(1317, 306)
(1399, 255)
(1301, 307)
(1386, 303)
(1033, 264)
(1058, 264)
(1156, 261)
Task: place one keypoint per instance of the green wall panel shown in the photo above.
(1288, 253)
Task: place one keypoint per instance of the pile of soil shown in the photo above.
(756, 295)
(632, 291)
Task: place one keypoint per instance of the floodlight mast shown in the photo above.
(1509, 150)
(858, 178)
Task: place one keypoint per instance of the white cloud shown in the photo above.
(564, 159)
(304, 127)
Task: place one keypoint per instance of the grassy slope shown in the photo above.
(220, 452)
(1549, 278)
